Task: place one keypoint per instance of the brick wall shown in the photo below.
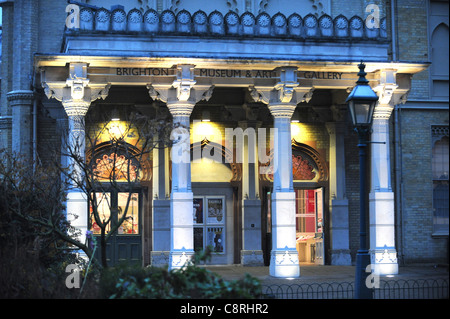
(412, 30)
(417, 214)
(51, 30)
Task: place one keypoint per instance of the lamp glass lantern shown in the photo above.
(361, 101)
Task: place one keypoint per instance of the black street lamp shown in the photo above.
(361, 103)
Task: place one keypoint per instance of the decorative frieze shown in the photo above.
(216, 23)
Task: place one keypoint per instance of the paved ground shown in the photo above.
(319, 274)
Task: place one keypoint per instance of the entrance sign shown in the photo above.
(144, 71)
(223, 73)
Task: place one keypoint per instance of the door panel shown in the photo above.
(319, 253)
(309, 225)
(126, 244)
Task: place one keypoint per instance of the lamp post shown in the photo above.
(361, 103)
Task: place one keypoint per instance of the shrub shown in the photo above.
(189, 282)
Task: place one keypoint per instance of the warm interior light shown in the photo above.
(295, 131)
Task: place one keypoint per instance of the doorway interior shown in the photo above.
(309, 222)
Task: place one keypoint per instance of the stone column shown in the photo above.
(161, 202)
(282, 101)
(381, 196)
(284, 257)
(76, 95)
(339, 226)
(21, 103)
(77, 206)
(181, 200)
(251, 253)
(181, 97)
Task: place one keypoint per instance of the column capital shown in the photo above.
(19, 97)
(77, 92)
(184, 92)
(284, 92)
(282, 98)
(393, 89)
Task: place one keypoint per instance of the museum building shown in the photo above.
(264, 165)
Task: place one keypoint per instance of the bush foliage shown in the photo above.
(190, 282)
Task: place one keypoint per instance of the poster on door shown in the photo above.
(215, 210)
(198, 210)
(215, 238)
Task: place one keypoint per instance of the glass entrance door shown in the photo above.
(309, 225)
(120, 211)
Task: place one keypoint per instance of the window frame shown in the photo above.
(438, 132)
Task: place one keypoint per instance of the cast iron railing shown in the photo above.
(390, 289)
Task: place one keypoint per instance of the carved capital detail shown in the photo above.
(182, 95)
(282, 110)
(184, 81)
(283, 98)
(77, 92)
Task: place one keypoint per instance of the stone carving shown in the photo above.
(119, 20)
(279, 24)
(295, 24)
(310, 23)
(167, 21)
(134, 20)
(184, 21)
(326, 25)
(215, 20)
(248, 23)
(151, 21)
(200, 20)
(232, 22)
(263, 24)
(76, 93)
(86, 19)
(102, 19)
(356, 27)
(341, 26)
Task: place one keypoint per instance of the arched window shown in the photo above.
(119, 162)
(440, 168)
(439, 44)
(440, 64)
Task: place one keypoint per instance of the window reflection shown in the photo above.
(104, 212)
(131, 222)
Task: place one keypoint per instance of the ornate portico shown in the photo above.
(180, 64)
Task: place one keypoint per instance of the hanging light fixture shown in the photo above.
(205, 116)
(115, 116)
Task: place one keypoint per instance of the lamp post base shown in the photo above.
(362, 289)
